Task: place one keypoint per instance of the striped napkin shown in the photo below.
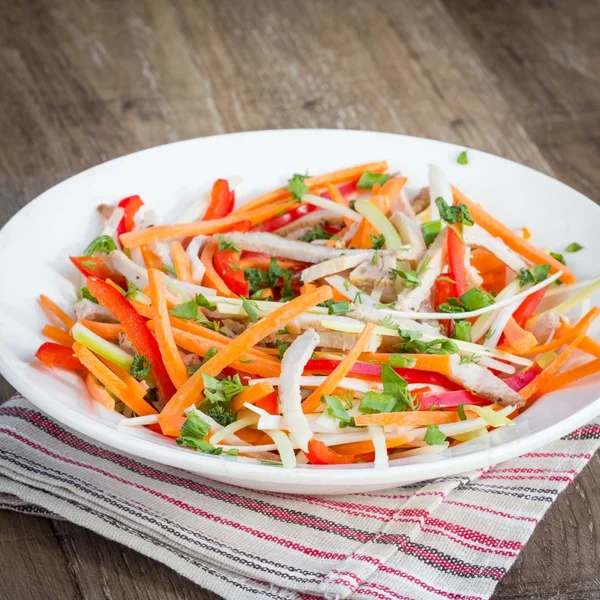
(451, 538)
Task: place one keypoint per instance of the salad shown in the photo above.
(331, 321)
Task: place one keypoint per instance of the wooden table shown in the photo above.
(83, 82)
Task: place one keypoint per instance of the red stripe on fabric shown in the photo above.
(530, 470)
(491, 511)
(557, 454)
(529, 477)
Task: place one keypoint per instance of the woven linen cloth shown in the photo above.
(450, 538)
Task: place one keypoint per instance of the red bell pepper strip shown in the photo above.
(97, 266)
(130, 205)
(456, 262)
(289, 217)
(242, 226)
(344, 189)
(136, 330)
(528, 307)
(221, 200)
(450, 400)
(319, 454)
(226, 264)
(269, 403)
(373, 372)
(444, 289)
(516, 382)
(56, 355)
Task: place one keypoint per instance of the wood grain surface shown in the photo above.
(85, 81)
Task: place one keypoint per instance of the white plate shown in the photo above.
(36, 243)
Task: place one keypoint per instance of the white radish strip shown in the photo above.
(216, 427)
(473, 313)
(484, 321)
(357, 435)
(378, 438)
(423, 451)
(373, 315)
(247, 449)
(585, 307)
(301, 458)
(244, 421)
(138, 421)
(566, 289)
(376, 294)
(348, 383)
(491, 363)
(192, 252)
(284, 447)
(438, 186)
(344, 287)
(110, 227)
(332, 206)
(498, 325)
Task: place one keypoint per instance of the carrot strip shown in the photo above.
(183, 230)
(151, 260)
(391, 189)
(173, 426)
(211, 277)
(512, 239)
(437, 363)
(587, 344)
(98, 392)
(565, 378)
(251, 436)
(264, 367)
(331, 382)
(251, 395)
(132, 383)
(112, 383)
(108, 331)
(367, 445)
(55, 310)
(361, 238)
(540, 381)
(313, 183)
(57, 335)
(485, 261)
(164, 336)
(335, 193)
(418, 418)
(183, 268)
(191, 391)
(517, 338)
(143, 309)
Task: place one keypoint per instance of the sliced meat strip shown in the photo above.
(477, 237)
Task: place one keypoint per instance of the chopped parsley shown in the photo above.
(412, 278)
(467, 359)
(430, 230)
(225, 244)
(573, 247)
(462, 332)
(463, 158)
(102, 244)
(461, 412)
(402, 362)
(535, 275)
(489, 333)
(205, 303)
(297, 186)
(557, 256)
(474, 299)
(140, 367)
(132, 290)
(221, 414)
(456, 213)
(433, 436)
(318, 233)
(412, 344)
(374, 402)
(337, 410)
(336, 308)
(282, 347)
(377, 241)
(368, 180)
(84, 294)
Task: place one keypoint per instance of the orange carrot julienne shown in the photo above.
(335, 194)
(55, 310)
(367, 445)
(211, 277)
(250, 435)
(143, 309)
(307, 287)
(190, 392)
(513, 240)
(437, 363)
(540, 381)
(132, 383)
(151, 260)
(183, 268)
(165, 232)
(171, 426)
(517, 338)
(164, 336)
(565, 378)
(108, 331)
(251, 395)
(248, 363)
(391, 189)
(587, 345)
(361, 238)
(112, 383)
(313, 183)
(333, 379)
(417, 418)
(98, 392)
(57, 335)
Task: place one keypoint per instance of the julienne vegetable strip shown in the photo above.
(136, 330)
(513, 240)
(227, 329)
(312, 402)
(168, 349)
(190, 392)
